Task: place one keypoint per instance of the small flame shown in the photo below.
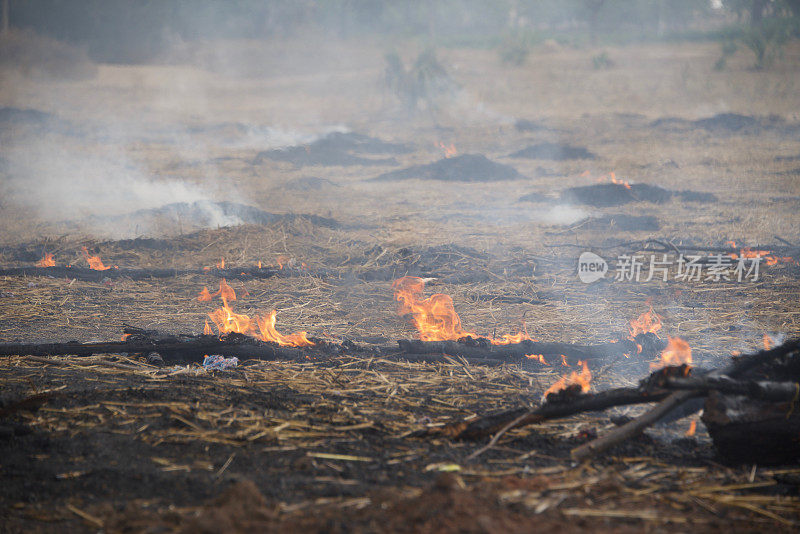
(46, 261)
(648, 322)
(225, 291)
(259, 264)
(125, 337)
(564, 361)
(678, 352)
(94, 261)
(207, 329)
(449, 150)
(435, 317)
(767, 342)
(748, 253)
(610, 177)
(692, 428)
(537, 357)
(263, 328)
(584, 379)
(283, 260)
(221, 263)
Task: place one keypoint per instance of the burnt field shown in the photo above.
(311, 192)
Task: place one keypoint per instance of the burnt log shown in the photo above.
(746, 430)
(171, 349)
(753, 389)
(515, 352)
(739, 366)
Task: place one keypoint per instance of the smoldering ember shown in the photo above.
(448, 266)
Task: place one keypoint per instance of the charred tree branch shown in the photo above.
(762, 390)
(638, 425)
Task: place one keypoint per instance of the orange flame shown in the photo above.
(435, 317)
(221, 263)
(678, 352)
(767, 342)
(584, 379)
(610, 177)
(259, 264)
(207, 330)
(748, 253)
(283, 260)
(46, 261)
(692, 428)
(449, 150)
(537, 357)
(94, 261)
(648, 322)
(227, 321)
(225, 291)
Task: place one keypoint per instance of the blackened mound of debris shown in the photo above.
(336, 148)
(610, 194)
(553, 151)
(463, 168)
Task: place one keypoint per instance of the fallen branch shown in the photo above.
(491, 424)
(638, 425)
(192, 349)
(762, 390)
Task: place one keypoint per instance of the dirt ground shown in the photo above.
(121, 445)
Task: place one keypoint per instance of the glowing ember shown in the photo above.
(648, 322)
(449, 150)
(513, 338)
(94, 261)
(583, 379)
(125, 337)
(46, 261)
(767, 342)
(225, 291)
(678, 352)
(748, 253)
(692, 428)
(435, 317)
(227, 321)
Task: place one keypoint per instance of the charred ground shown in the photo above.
(325, 446)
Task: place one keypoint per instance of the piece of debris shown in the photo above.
(216, 362)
